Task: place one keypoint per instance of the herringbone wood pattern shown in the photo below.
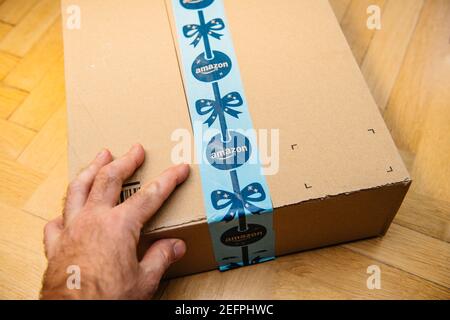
(407, 67)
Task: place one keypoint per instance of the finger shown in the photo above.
(143, 204)
(52, 231)
(159, 257)
(108, 182)
(78, 190)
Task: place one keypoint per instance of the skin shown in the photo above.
(100, 237)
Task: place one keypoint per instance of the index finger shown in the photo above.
(144, 203)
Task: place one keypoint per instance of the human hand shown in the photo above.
(100, 237)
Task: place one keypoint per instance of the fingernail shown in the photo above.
(135, 147)
(181, 165)
(102, 153)
(179, 249)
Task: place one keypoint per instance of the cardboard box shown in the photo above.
(340, 176)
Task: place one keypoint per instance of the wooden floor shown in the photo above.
(407, 67)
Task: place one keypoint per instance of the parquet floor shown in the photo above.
(407, 66)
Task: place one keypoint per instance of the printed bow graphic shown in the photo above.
(234, 265)
(239, 202)
(204, 30)
(225, 105)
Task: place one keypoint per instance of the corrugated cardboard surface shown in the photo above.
(124, 86)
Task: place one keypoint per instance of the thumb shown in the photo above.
(159, 257)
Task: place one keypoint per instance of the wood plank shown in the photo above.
(409, 104)
(340, 8)
(22, 258)
(410, 251)
(20, 39)
(13, 139)
(32, 68)
(12, 11)
(354, 25)
(44, 100)
(4, 30)
(387, 49)
(10, 99)
(331, 273)
(17, 182)
(48, 145)
(47, 200)
(426, 215)
(432, 164)
(7, 63)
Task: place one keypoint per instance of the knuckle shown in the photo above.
(95, 198)
(154, 189)
(107, 172)
(75, 186)
(76, 236)
(81, 229)
(165, 256)
(47, 228)
(109, 175)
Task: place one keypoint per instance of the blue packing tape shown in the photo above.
(236, 196)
